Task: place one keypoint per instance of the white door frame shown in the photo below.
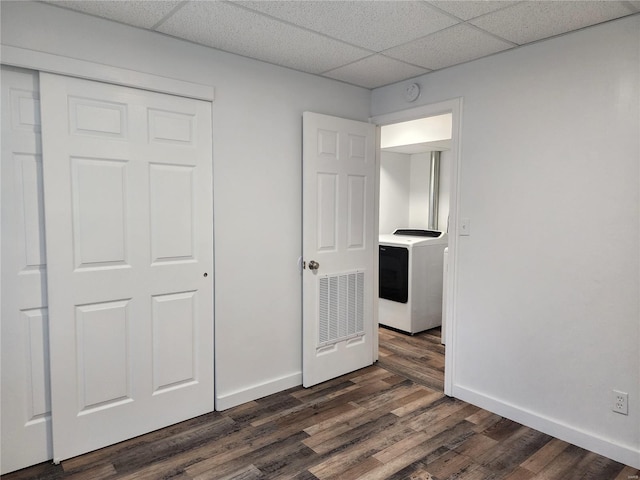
(453, 106)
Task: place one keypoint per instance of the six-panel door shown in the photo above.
(339, 175)
(129, 222)
(25, 403)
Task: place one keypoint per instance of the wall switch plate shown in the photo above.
(465, 227)
(620, 402)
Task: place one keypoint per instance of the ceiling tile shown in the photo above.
(375, 71)
(466, 10)
(139, 13)
(233, 29)
(635, 4)
(531, 21)
(454, 45)
(373, 25)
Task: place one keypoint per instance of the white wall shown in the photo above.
(547, 321)
(404, 190)
(395, 174)
(257, 119)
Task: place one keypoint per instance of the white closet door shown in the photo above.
(128, 196)
(25, 402)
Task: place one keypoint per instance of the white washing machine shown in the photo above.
(410, 277)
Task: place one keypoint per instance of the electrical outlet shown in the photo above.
(620, 402)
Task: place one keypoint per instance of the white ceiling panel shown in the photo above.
(454, 45)
(375, 71)
(237, 30)
(530, 21)
(470, 9)
(139, 13)
(373, 25)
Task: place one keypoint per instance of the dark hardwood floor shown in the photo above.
(419, 358)
(388, 421)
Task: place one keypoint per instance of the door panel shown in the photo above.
(25, 403)
(128, 190)
(99, 192)
(171, 204)
(339, 171)
(174, 352)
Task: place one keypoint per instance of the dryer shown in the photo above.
(410, 279)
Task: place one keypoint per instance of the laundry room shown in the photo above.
(415, 177)
(405, 167)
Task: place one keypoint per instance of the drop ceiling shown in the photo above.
(369, 43)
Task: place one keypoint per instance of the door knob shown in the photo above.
(313, 265)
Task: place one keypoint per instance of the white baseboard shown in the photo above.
(620, 453)
(228, 400)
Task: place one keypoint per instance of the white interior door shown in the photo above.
(25, 407)
(128, 195)
(339, 246)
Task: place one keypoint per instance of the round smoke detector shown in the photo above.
(412, 92)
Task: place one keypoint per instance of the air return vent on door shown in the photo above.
(341, 303)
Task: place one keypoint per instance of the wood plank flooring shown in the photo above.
(419, 358)
(388, 421)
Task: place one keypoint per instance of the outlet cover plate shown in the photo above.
(620, 402)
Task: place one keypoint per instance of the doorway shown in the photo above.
(404, 174)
